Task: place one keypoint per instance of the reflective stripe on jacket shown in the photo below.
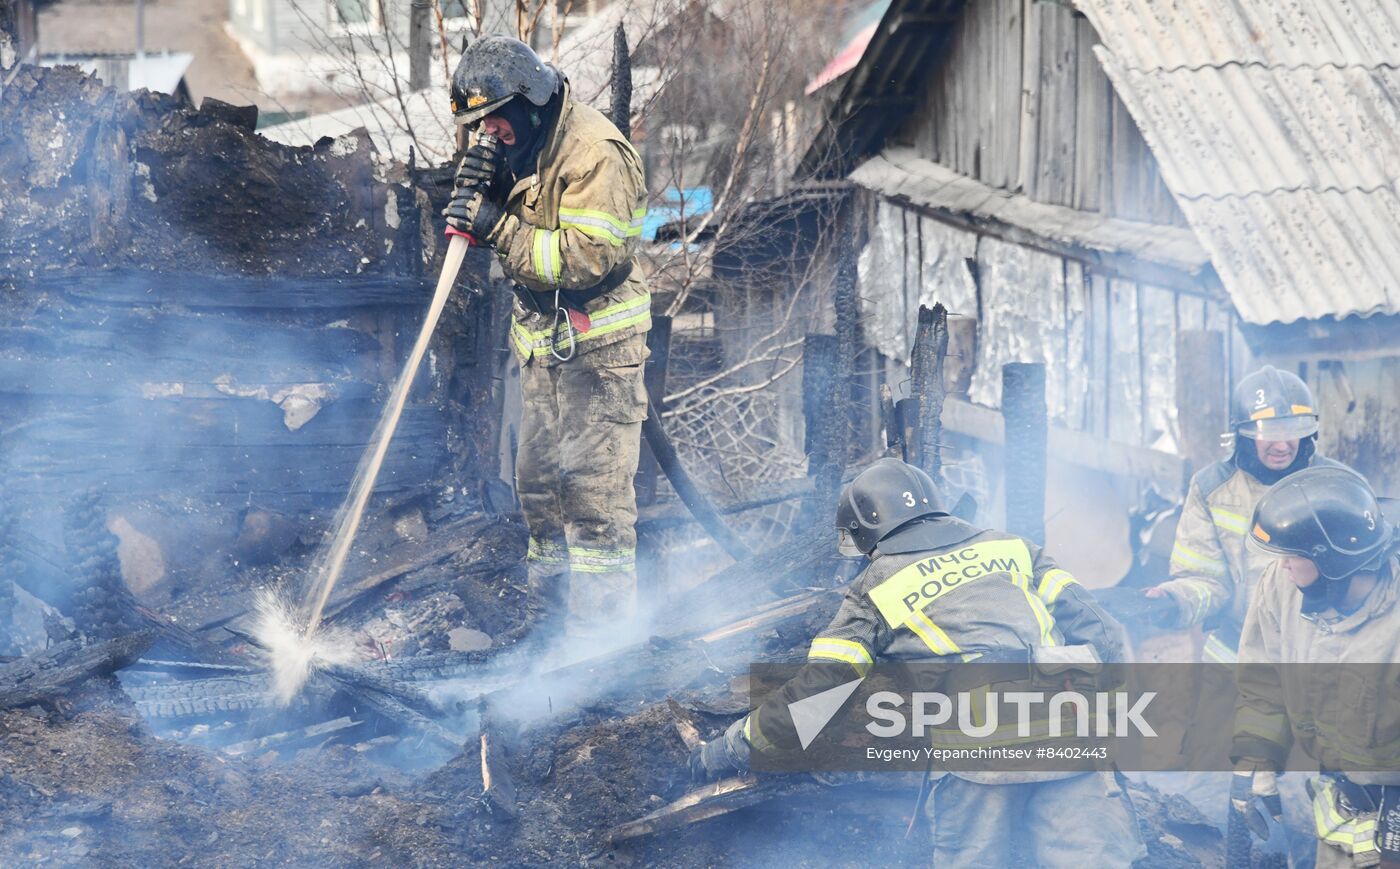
(571, 225)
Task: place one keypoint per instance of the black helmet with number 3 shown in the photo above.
(1328, 515)
(882, 499)
(1273, 405)
(493, 71)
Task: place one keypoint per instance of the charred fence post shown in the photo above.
(1024, 411)
(818, 368)
(834, 422)
(930, 350)
(621, 109)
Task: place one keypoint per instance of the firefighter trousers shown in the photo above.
(1086, 820)
(580, 439)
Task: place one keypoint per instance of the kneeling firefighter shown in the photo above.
(1317, 665)
(558, 192)
(1012, 613)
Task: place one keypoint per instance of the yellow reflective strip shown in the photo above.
(590, 214)
(1271, 727)
(1042, 617)
(1229, 521)
(850, 647)
(844, 651)
(925, 581)
(556, 266)
(599, 331)
(1356, 833)
(1053, 583)
(536, 253)
(1218, 652)
(592, 231)
(599, 568)
(601, 553)
(754, 734)
(1189, 559)
(933, 636)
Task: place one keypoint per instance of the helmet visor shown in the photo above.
(470, 114)
(1281, 428)
(846, 544)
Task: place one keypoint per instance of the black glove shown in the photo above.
(479, 165)
(1253, 794)
(472, 213)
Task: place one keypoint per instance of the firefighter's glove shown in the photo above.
(479, 165)
(718, 758)
(1254, 794)
(472, 213)
(710, 761)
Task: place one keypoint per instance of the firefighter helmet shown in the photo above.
(882, 499)
(493, 71)
(1328, 515)
(1273, 405)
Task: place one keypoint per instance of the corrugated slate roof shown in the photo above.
(900, 174)
(1277, 126)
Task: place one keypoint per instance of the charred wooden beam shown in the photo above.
(498, 788)
(50, 674)
(711, 801)
(293, 738)
(930, 351)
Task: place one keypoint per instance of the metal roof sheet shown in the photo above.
(1276, 124)
(1153, 34)
(1236, 130)
(1304, 254)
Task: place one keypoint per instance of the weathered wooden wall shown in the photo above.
(1022, 104)
(1109, 342)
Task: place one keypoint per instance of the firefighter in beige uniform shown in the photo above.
(996, 598)
(1274, 422)
(1323, 624)
(563, 207)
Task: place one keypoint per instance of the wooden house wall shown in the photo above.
(1109, 343)
(1022, 104)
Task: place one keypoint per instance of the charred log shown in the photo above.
(50, 675)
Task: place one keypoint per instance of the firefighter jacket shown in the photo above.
(957, 594)
(1341, 709)
(1212, 571)
(1326, 684)
(575, 225)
